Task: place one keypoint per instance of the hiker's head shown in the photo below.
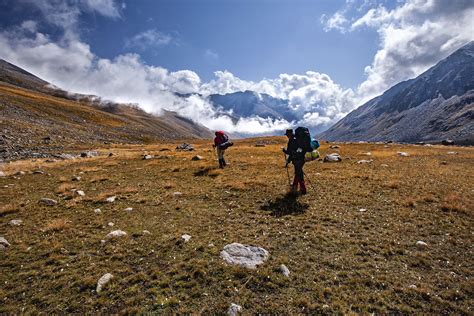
(219, 133)
(289, 133)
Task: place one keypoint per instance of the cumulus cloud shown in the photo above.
(148, 39)
(413, 36)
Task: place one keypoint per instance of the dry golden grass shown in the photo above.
(9, 208)
(56, 225)
(342, 260)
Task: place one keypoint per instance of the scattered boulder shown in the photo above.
(116, 233)
(334, 157)
(403, 154)
(412, 286)
(444, 163)
(89, 154)
(421, 244)
(428, 145)
(367, 153)
(284, 270)
(244, 255)
(147, 157)
(185, 147)
(186, 237)
(129, 209)
(146, 232)
(103, 281)
(38, 172)
(76, 178)
(4, 243)
(49, 202)
(110, 224)
(334, 146)
(66, 156)
(364, 161)
(452, 152)
(97, 211)
(197, 157)
(15, 222)
(20, 173)
(111, 199)
(447, 142)
(80, 193)
(384, 165)
(234, 309)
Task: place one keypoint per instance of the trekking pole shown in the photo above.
(309, 181)
(287, 172)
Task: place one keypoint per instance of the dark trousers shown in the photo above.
(299, 174)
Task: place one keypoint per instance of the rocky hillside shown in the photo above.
(38, 119)
(437, 105)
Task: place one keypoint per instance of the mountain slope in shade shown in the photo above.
(437, 105)
(31, 110)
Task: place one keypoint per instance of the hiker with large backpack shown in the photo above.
(221, 143)
(301, 148)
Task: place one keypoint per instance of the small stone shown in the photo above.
(97, 211)
(234, 309)
(421, 244)
(325, 306)
(362, 210)
(452, 153)
(111, 199)
(15, 222)
(403, 154)
(76, 178)
(367, 153)
(384, 165)
(2, 174)
(20, 173)
(412, 286)
(334, 157)
(186, 237)
(211, 245)
(80, 193)
(110, 154)
(49, 202)
(110, 224)
(334, 147)
(38, 172)
(364, 161)
(103, 281)
(129, 209)
(116, 233)
(284, 270)
(444, 163)
(177, 194)
(197, 157)
(4, 242)
(146, 232)
(147, 157)
(102, 241)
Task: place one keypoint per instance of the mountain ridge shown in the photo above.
(436, 105)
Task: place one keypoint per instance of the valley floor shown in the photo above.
(350, 244)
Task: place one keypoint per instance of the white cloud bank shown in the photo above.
(413, 36)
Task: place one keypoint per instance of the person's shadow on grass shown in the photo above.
(286, 205)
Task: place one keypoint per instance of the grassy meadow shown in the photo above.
(350, 243)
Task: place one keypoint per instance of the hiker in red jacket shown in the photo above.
(221, 142)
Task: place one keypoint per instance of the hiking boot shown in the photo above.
(303, 188)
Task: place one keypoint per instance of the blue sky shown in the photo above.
(325, 56)
(252, 39)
